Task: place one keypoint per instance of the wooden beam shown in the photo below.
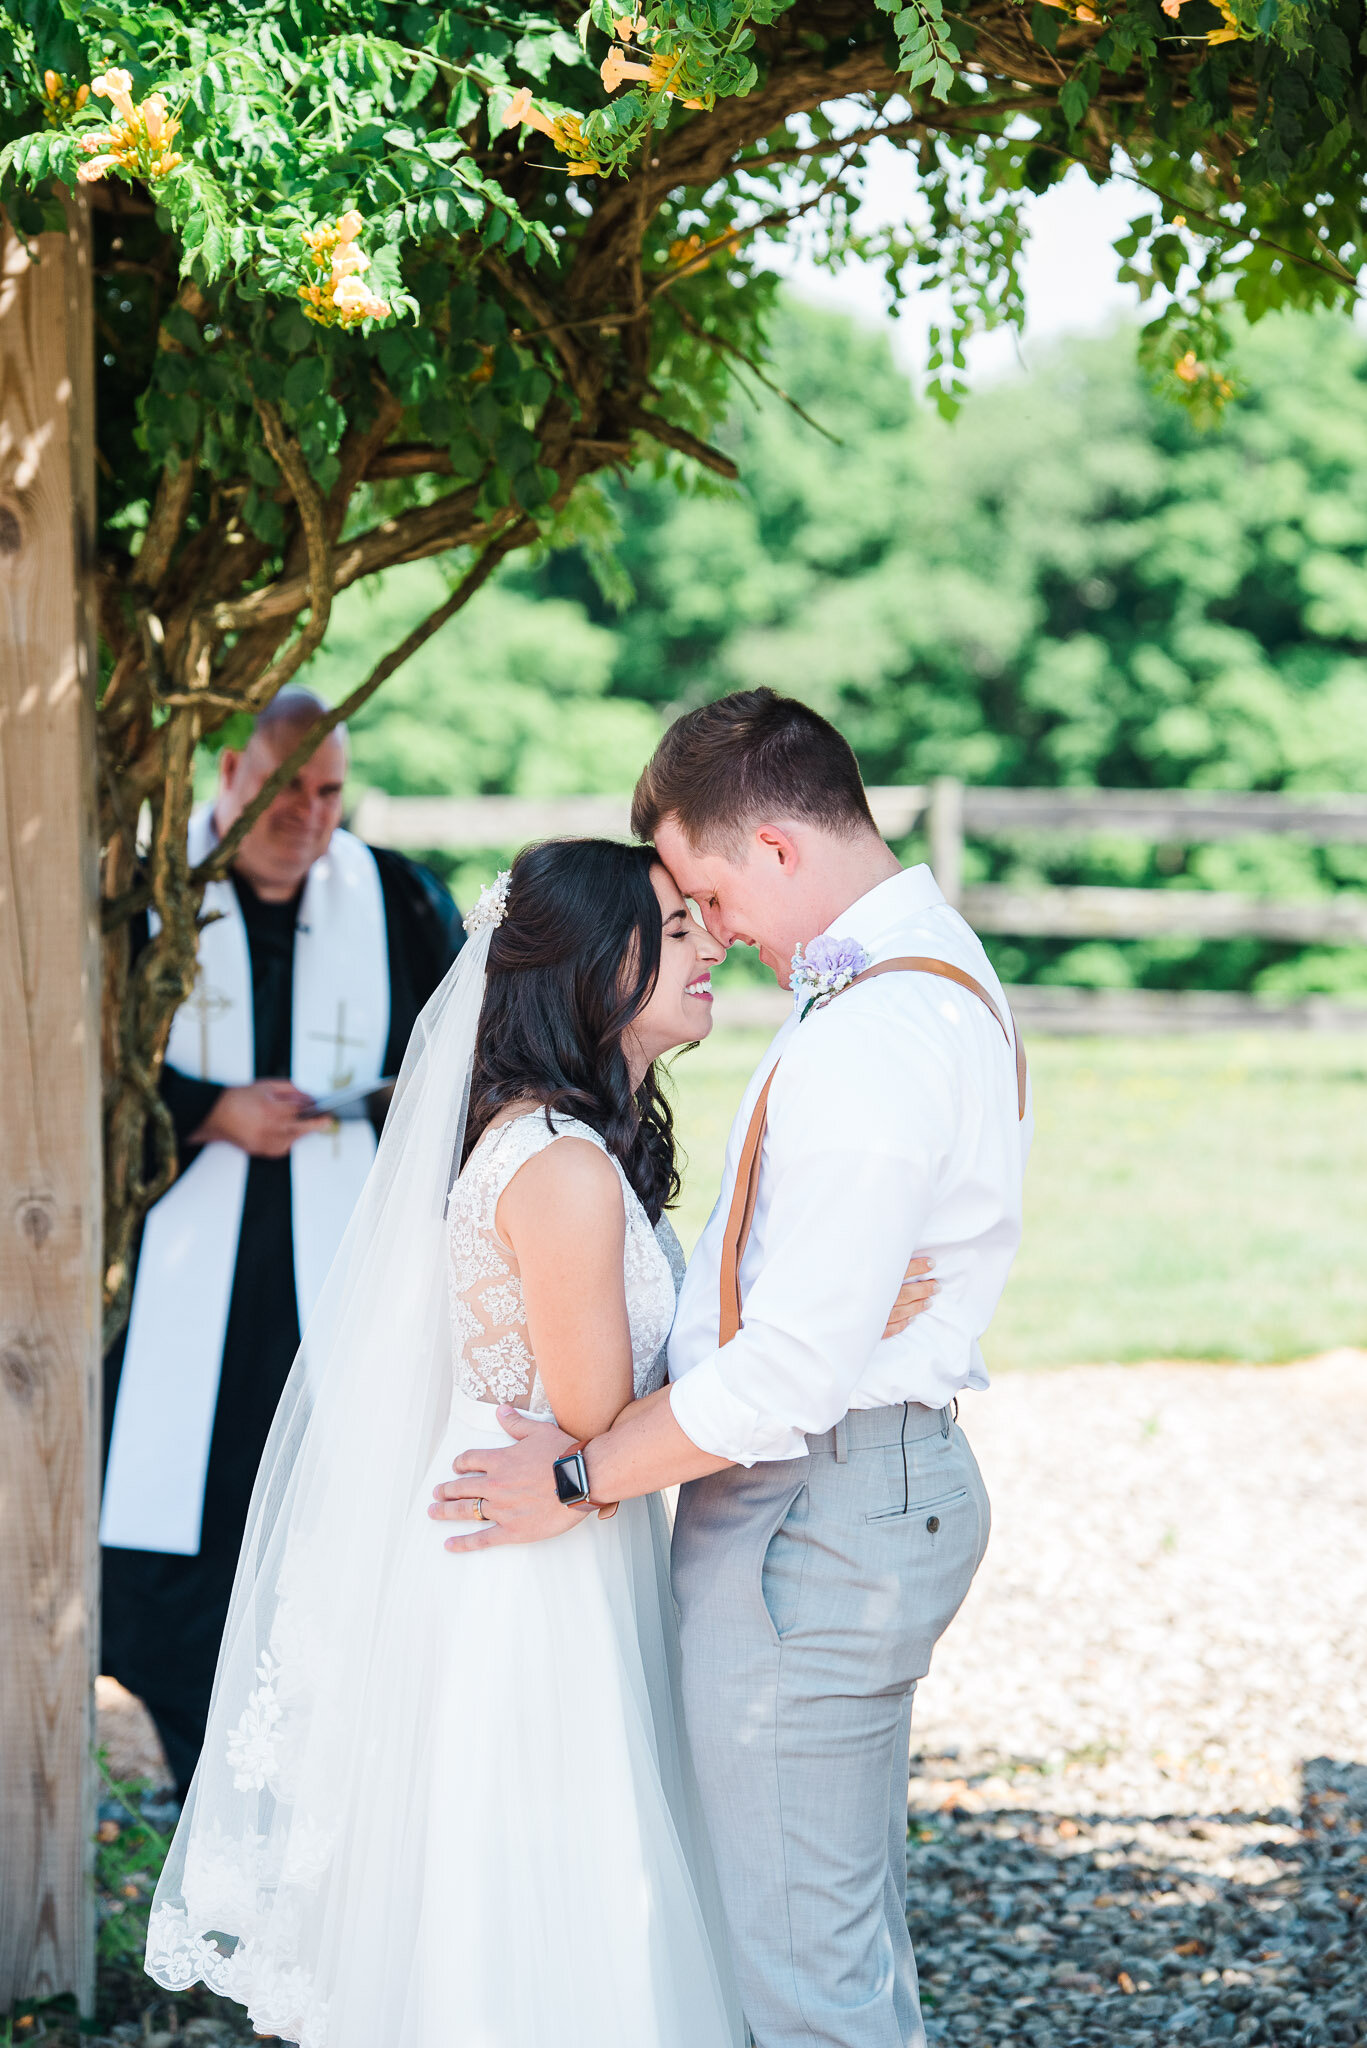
(49, 1118)
(1338, 920)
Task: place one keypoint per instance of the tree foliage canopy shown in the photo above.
(383, 280)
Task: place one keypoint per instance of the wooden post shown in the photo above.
(49, 1118)
(945, 829)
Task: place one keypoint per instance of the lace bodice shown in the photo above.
(493, 1361)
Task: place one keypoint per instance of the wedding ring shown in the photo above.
(479, 1509)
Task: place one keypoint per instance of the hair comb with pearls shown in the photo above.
(492, 905)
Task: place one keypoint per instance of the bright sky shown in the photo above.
(1070, 267)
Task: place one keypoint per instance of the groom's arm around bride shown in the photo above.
(836, 1516)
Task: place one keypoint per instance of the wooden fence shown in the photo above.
(950, 813)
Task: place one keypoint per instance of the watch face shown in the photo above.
(571, 1478)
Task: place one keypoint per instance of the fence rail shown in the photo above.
(1057, 1012)
(1085, 913)
(1181, 817)
(950, 813)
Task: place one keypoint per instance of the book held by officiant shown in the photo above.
(349, 1105)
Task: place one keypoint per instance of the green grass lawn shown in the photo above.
(1187, 1198)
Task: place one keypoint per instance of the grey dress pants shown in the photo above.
(811, 1594)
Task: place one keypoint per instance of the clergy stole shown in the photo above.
(168, 1389)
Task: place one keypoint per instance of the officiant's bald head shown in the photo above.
(294, 830)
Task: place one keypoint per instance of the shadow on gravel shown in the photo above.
(1050, 1928)
(1066, 1929)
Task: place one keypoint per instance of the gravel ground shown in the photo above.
(1139, 1794)
(1140, 1789)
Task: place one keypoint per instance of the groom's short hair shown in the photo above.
(752, 756)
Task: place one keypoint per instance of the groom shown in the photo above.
(833, 1515)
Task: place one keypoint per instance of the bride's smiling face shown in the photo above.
(679, 1009)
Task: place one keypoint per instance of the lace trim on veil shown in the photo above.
(279, 1996)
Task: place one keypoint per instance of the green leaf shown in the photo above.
(1045, 23)
(263, 517)
(182, 328)
(423, 79)
(260, 466)
(466, 101)
(1074, 100)
(533, 56)
(307, 380)
(291, 331)
(184, 415)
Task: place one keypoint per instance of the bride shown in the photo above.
(454, 1808)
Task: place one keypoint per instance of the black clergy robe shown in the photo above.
(163, 1615)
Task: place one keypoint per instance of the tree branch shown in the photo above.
(220, 860)
(730, 348)
(940, 121)
(289, 458)
(519, 288)
(407, 458)
(665, 284)
(360, 447)
(735, 236)
(174, 491)
(423, 529)
(647, 422)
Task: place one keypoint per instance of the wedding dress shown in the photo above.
(480, 1830)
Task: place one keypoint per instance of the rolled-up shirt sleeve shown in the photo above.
(861, 1117)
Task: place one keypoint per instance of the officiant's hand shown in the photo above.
(515, 1488)
(265, 1118)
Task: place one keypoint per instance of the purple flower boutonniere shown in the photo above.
(822, 970)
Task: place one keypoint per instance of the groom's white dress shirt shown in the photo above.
(893, 1128)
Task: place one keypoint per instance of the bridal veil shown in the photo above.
(360, 1417)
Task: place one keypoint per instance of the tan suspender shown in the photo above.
(742, 1212)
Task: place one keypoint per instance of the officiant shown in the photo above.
(320, 955)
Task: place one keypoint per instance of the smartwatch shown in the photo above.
(572, 1476)
(572, 1481)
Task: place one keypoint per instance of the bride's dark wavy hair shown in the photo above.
(575, 959)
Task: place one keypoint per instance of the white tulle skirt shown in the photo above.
(494, 1838)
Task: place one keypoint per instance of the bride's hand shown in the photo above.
(914, 1295)
(512, 1490)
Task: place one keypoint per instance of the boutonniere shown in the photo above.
(822, 970)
